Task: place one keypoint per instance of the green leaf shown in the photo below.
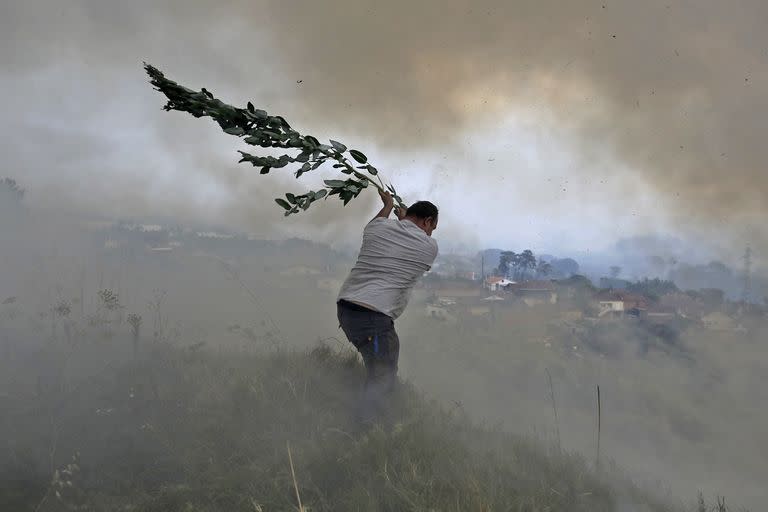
(283, 122)
(291, 198)
(335, 183)
(320, 194)
(338, 146)
(302, 157)
(373, 170)
(357, 155)
(265, 169)
(283, 203)
(251, 108)
(234, 130)
(312, 140)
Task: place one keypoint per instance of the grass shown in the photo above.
(189, 430)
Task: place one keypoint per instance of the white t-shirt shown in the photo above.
(393, 256)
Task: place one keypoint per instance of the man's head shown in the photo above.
(424, 215)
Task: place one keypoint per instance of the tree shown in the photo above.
(615, 272)
(653, 288)
(543, 268)
(258, 128)
(526, 264)
(507, 262)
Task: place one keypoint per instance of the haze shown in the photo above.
(616, 133)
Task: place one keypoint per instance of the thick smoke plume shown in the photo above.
(671, 91)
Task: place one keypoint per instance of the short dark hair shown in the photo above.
(422, 210)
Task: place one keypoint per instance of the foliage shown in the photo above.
(520, 266)
(653, 288)
(109, 300)
(543, 268)
(257, 128)
(184, 430)
(63, 308)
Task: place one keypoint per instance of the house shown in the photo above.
(495, 283)
(534, 292)
(617, 303)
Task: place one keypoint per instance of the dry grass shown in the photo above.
(185, 430)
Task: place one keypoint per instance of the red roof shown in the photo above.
(493, 279)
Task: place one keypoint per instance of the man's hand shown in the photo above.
(389, 203)
(400, 212)
(386, 198)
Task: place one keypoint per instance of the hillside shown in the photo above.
(183, 429)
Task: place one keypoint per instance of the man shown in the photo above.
(394, 254)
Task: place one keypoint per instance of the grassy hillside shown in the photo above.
(189, 430)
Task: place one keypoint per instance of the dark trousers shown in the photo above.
(373, 335)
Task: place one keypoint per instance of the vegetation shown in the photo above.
(521, 266)
(259, 129)
(180, 429)
(653, 288)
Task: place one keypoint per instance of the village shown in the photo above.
(475, 300)
(496, 300)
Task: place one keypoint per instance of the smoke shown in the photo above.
(664, 98)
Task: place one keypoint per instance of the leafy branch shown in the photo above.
(257, 128)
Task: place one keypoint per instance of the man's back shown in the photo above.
(393, 256)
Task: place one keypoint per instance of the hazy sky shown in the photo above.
(550, 124)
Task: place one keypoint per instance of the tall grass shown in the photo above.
(184, 430)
